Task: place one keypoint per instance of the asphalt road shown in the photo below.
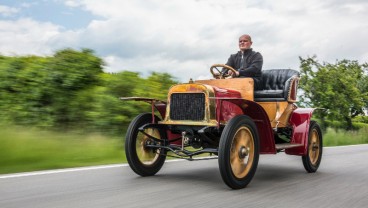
(280, 181)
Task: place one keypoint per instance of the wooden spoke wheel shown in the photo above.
(242, 152)
(147, 156)
(144, 160)
(239, 152)
(312, 160)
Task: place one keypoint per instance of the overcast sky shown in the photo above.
(185, 37)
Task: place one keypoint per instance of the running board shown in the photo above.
(287, 146)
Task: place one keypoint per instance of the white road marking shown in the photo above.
(66, 170)
(46, 172)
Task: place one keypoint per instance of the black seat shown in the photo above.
(278, 85)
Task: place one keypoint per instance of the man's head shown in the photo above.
(245, 42)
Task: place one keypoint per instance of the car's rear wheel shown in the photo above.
(239, 152)
(143, 160)
(312, 159)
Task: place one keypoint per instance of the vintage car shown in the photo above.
(227, 120)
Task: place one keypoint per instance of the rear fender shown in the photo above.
(300, 121)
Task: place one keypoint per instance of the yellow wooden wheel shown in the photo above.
(144, 159)
(312, 159)
(239, 152)
(147, 156)
(242, 152)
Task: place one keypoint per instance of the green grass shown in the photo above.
(341, 137)
(29, 149)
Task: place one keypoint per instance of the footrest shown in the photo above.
(287, 146)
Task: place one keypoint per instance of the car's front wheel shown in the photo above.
(144, 160)
(239, 152)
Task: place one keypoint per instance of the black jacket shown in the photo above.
(252, 65)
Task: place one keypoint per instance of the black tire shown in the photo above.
(239, 152)
(143, 161)
(312, 160)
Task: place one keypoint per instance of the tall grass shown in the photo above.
(337, 137)
(28, 150)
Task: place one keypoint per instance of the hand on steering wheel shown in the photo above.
(222, 74)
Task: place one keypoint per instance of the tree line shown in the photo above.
(69, 91)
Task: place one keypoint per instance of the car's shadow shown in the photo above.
(266, 175)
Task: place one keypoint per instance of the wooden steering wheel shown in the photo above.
(222, 74)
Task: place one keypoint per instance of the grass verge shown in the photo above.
(29, 150)
(334, 137)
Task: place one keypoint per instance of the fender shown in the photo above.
(159, 105)
(300, 121)
(265, 131)
(257, 113)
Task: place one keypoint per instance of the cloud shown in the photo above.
(6, 11)
(26, 36)
(185, 38)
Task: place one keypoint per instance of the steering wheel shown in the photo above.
(221, 74)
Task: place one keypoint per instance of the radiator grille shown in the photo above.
(187, 106)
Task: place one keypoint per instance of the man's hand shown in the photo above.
(217, 75)
(231, 73)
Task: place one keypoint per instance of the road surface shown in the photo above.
(280, 181)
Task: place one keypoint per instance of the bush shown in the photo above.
(361, 119)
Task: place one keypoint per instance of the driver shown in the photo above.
(248, 63)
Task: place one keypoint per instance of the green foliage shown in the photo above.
(361, 119)
(156, 86)
(339, 88)
(69, 91)
(39, 91)
(23, 90)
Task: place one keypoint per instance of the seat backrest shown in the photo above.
(278, 85)
(275, 79)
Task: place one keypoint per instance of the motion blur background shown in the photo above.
(64, 65)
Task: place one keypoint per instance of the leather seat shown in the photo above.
(278, 85)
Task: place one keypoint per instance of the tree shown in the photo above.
(156, 86)
(23, 90)
(43, 91)
(107, 113)
(340, 88)
(71, 72)
(114, 115)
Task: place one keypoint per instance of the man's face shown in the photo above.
(244, 43)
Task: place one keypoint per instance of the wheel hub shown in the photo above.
(315, 147)
(243, 152)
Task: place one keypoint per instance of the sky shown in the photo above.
(185, 37)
